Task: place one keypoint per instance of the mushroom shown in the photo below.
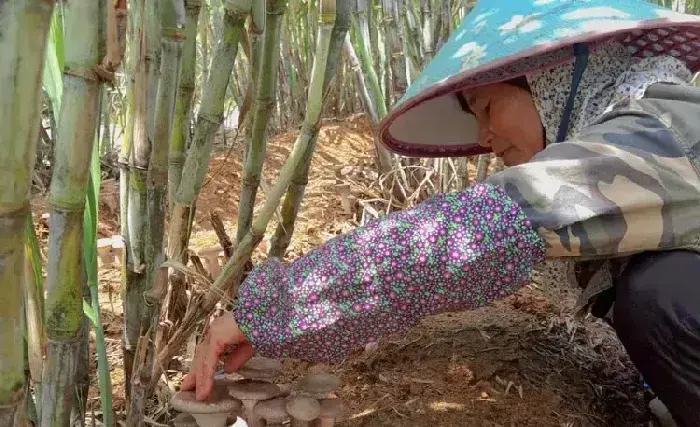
(250, 392)
(273, 411)
(319, 385)
(303, 409)
(285, 389)
(211, 412)
(104, 251)
(118, 248)
(211, 255)
(184, 420)
(260, 368)
(331, 409)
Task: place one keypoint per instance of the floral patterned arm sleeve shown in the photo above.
(454, 251)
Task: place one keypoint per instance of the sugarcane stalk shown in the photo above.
(172, 20)
(384, 159)
(179, 139)
(34, 292)
(209, 120)
(234, 267)
(183, 105)
(135, 268)
(482, 167)
(65, 269)
(428, 45)
(295, 194)
(262, 109)
(394, 35)
(367, 100)
(152, 61)
(362, 32)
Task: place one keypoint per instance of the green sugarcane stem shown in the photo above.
(171, 49)
(295, 193)
(384, 158)
(366, 61)
(427, 32)
(105, 381)
(23, 41)
(262, 109)
(65, 269)
(34, 291)
(231, 272)
(134, 270)
(367, 100)
(211, 109)
(152, 62)
(183, 105)
(209, 120)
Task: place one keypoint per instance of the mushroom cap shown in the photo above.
(319, 383)
(219, 401)
(184, 420)
(303, 408)
(253, 390)
(225, 380)
(331, 408)
(272, 411)
(260, 368)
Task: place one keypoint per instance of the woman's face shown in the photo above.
(508, 121)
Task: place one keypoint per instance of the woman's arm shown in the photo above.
(454, 251)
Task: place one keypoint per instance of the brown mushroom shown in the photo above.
(303, 409)
(211, 412)
(211, 257)
(319, 385)
(272, 411)
(260, 368)
(104, 252)
(331, 409)
(250, 392)
(285, 389)
(184, 420)
(118, 248)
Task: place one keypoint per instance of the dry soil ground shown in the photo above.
(521, 362)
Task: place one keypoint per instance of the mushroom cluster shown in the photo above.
(252, 394)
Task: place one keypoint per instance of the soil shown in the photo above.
(524, 361)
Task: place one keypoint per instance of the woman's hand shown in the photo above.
(223, 333)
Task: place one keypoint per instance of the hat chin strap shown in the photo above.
(581, 52)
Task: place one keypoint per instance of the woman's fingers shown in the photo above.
(241, 354)
(223, 332)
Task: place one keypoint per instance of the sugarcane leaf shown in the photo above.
(52, 78)
(90, 313)
(31, 243)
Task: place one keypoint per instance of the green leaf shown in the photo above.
(52, 79)
(31, 243)
(90, 313)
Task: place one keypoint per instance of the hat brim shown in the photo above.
(429, 120)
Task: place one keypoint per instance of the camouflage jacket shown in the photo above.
(627, 184)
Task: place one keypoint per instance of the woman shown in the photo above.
(589, 105)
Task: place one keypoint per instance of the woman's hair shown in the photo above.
(520, 82)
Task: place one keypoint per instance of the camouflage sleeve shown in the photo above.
(625, 185)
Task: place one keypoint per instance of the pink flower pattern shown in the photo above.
(454, 251)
